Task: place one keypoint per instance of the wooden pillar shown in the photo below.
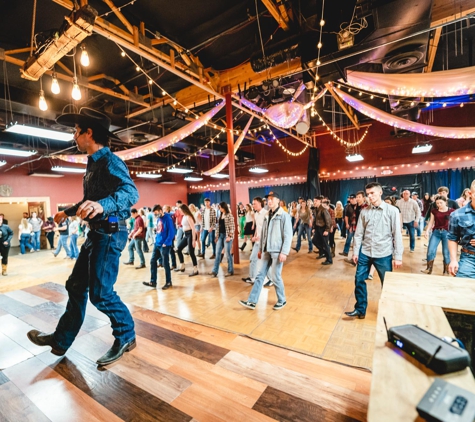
(232, 170)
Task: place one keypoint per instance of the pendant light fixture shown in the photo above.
(42, 104)
(84, 56)
(55, 89)
(76, 92)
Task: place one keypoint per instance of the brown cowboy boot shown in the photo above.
(428, 270)
(4, 269)
(446, 269)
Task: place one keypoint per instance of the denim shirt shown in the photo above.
(462, 227)
(107, 181)
(276, 235)
(6, 234)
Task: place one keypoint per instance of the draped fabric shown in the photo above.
(388, 119)
(225, 160)
(446, 83)
(154, 146)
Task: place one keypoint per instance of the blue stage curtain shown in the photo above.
(215, 197)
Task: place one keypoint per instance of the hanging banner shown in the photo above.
(157, 145)
(225, 161)
(446, 83)
(388, 119)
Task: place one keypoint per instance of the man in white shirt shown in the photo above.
(208, 215)
(411, 213)
(259, 214)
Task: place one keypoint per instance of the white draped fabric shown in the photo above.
(389, 119)
(446, 83)
(225, 160)
(154, 146)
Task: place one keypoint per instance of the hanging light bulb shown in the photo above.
(42, 101)
(319, 45)
(84, 56)
(122, 53)
(55, 85)
(76, 92)
(150, 81)
(322, 22)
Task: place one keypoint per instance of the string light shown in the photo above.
(55, 89)
(118, 9)
(340, 140)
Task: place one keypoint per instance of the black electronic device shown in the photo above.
(113, 223)
(432, 351)
(445, 402)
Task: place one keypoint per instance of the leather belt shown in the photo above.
(467, 251)
(103, 224)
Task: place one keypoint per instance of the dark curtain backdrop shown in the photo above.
(313, 168)
(338, 190)
(214, 196)
(288, 193)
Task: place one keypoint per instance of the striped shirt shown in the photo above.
(410, 211)
(378, 232)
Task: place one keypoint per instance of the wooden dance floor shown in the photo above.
(200, 355)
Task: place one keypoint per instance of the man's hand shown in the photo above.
(472, 242)
(282, 257)
(5, 243)
(454, 267)
(89, 209)
(59, 218)
(397, 264)
(228, 239)
(259, 255)
(416, 224)
(355, 259)
(325, 233)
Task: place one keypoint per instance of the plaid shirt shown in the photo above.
(356, 215)
(332, 216)
(462, 227)
(212, 217)
(410, 211)
(228, 224)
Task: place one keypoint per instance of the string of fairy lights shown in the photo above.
(293, 154)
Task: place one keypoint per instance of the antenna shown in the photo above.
(433, 356)
(386, 325)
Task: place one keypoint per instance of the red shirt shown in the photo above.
(178, 216)
(441, 219)
(139, 223)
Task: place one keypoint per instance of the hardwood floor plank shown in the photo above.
(49, 295)
(26, 298)
(287, 408)
(55, 287)
(13, 307)
(3, 378)
(56, 398)
(15, 406)
(16, 330)
(11, 353)
(121, 397)
(341, 400)
(197, 348)
(208, 405)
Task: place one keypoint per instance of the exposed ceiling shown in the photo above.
(191, 50)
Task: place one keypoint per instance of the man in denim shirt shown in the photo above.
(274, 246)
(462, 232)
(109, 192)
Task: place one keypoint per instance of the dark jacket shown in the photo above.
(322, 218)
(6, 233)
(165, 231)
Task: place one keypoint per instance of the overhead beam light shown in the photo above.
(149, 175)
(419, 149)
(354, 157)
(39, 132)
(220, 176)
(16, 152)
(46, 175)
(258, 170)
(193, 179)
(2, 163)
(181, 170)
(68, 169)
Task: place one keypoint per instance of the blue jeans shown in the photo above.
(136, 244)
(466, 265)
(35, 240)
(308, 230)
(95, 273)
(73, 244)
(349, 238)
(25, 242)
(204, 235)
(435, 239)
(412, 235)
(63, 242)
(219, 248)
(362, 271)
(420, 226)
(160, 254)
(273, 264)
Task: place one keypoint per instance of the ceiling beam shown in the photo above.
(348, 110)
(119, 14)
(88, 85)
(433, 44)
(274, 11)
(445, 11)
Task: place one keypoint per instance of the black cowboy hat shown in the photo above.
(88, 118)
